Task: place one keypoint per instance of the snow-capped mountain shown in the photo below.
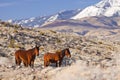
(108, 8)
(38, 21)
(103, 8)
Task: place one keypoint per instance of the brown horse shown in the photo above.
(27, 56)
(56, 57)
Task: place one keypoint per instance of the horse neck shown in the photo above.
(31, 51)
(62, 53)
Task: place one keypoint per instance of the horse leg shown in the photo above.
(60, 63)
(19, 62)
(25, 63)
(45, 63)
(48, 63)
(16, 62)
(29, 62)
(57, 63)
(32, 64)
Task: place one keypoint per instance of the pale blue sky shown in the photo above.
(17, 9)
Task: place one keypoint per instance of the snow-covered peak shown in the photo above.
(108, 3)
(53, 18)
(103, 8)
(63, 15)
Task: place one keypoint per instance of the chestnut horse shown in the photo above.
(56, 57)
(27, 56)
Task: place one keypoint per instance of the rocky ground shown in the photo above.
(92, 58)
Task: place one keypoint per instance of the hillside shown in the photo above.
(90, 22)
(92, 58)
(106, 28)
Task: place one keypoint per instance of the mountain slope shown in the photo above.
(38, 21)
(99, 22)
(103, 8)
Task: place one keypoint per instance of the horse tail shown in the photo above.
(16, 58)
(16, 61)
(45, 60)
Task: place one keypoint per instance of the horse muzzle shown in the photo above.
(37, 54)
(69, 56)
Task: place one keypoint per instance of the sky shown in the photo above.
(21, 9)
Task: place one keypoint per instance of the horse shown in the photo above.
(56, 57)
(26, 56)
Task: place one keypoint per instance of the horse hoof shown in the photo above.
(33, 69)
(18, 67)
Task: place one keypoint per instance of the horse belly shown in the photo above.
(53, 58)
(23, 56)
(53, 61)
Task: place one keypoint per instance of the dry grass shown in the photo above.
(92, 58)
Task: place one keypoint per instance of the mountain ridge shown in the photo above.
(38, 21)
(103, 8)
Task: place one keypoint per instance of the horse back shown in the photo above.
(51, 57)
(21, 54)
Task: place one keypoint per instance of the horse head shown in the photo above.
(67, 52)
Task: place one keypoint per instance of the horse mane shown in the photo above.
(30, 50)
(63, 53)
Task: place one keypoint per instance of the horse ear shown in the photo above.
(67, 48)
(37, 45)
